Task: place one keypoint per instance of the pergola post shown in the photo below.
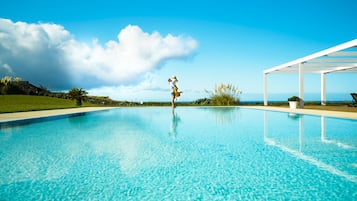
(265, 89)
(323, 89)
(301, 85)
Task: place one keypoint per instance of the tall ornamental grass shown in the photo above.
(225, 95)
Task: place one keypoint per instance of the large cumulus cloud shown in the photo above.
(48, 54)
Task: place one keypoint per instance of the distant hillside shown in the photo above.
(15, 86)
(21, 87)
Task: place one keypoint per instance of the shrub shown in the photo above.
(294, 98)
(203, 101)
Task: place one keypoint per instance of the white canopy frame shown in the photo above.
(338, 59)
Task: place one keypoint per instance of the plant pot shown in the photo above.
(293, 104)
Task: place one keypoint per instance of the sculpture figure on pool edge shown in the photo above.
(175, 93)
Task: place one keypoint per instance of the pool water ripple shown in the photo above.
(193, 154)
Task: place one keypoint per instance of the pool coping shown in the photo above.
(17, 116)
(7, 117)
(327, 113)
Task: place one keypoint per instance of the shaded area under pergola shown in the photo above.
(338, 59)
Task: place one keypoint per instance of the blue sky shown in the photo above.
(128, 49)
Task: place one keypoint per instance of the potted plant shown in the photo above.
(293, 102)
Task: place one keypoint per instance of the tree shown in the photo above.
(225, 94)
(17, 79)
(78, 95)
(10, 85)
(6, 80)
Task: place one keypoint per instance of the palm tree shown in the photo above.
(77, 94)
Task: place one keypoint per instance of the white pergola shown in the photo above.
(338, 59)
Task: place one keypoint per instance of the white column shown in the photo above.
(323, 89)
(301, 85)
(265, 89)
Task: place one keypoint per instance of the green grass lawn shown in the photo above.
(21, 103)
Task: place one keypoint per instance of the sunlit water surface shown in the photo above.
(191, 154)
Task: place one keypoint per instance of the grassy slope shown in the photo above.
(20, 103)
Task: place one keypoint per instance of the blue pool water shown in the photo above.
(193, 154)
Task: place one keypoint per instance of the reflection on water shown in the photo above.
(294, 116)
(320, 153)
(225, 115)
(135, 151)
(40, 152)
(174, 123)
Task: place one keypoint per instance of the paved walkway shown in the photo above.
(47, 113)
(327, 113)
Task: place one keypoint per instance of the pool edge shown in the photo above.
(337, 114)
(18, 116)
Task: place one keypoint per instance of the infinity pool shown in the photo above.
(195, 153)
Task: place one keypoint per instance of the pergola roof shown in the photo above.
(339, 59)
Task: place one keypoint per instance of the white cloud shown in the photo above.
(48, 54)
(145, 90)
(7, 68)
